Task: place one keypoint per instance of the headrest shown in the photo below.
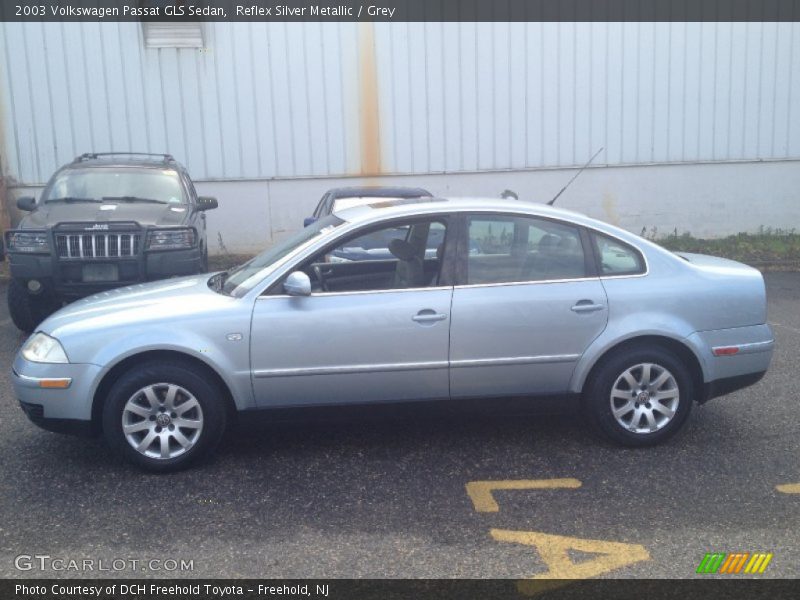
(548, 242)
(568, 243)
(402, 249)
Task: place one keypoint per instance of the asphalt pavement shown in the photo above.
(359, 494)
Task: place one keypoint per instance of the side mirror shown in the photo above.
(297, 284)
(207, 203)
(309, 220)
(26, 203)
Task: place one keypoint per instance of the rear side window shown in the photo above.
(616, 257)
(506, 249)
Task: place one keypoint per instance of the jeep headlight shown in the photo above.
(170, 239)
(28, 241)
(42, 348)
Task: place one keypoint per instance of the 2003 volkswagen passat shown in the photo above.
(516, 299)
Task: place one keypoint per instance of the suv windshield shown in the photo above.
(116, 184)
(241, 280)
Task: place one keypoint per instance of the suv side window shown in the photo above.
(320, 210)
(507, 249)
(616, 257)
(401, 256)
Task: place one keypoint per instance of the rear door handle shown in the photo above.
(428, 316)
(586, 306)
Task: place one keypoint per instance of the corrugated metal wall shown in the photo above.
(266, 100)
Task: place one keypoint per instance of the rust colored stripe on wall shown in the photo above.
(369, 115)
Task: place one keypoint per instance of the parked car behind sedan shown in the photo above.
(522, 300)
(104, 220)
(337, 199)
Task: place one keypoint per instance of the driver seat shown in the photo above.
(410, 272)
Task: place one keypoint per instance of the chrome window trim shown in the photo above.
(357, 292)
(510, 283)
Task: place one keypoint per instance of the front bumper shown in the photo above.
(67, 409)
(63, 277)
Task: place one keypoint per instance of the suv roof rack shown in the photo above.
(167, 158)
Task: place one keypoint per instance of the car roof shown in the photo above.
(125, 159)
(411, 207)
(377, 191)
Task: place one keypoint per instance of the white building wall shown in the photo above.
(269, 115)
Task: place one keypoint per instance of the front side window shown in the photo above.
(116, 184)
(400, 256)
(616, 257)
(507, 249)
(242, 279)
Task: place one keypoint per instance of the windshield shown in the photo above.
(116, 184)
(241, 280)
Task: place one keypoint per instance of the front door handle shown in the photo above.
(428, 316)
(586, 306)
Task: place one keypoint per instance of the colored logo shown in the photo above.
(735, 563)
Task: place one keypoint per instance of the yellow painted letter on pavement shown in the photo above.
(789, 488)
(554, 552)
(480, 492)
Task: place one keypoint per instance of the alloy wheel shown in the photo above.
(645, 398)
(162, 421)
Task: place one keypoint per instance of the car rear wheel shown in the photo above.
(164, 416)
(28, 310)
(640, 396)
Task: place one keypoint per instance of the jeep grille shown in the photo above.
(97, 245)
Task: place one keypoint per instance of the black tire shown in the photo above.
(184, 375)
(597, 400)
(204, 263)
(27, 310)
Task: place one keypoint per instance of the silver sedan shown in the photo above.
(397, 301)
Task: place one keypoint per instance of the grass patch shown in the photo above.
(779, 248)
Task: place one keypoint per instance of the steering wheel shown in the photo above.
(321, 278)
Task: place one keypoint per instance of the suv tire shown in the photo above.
(27, 310)
(640, 396)
(164, 416)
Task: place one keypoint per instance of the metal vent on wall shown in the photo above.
(173, 35)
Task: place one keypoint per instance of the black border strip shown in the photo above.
(404, 10)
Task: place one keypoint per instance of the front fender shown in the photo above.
(228, 358)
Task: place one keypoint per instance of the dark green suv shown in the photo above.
(103, 221)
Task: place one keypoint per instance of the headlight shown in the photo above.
(42, 348)
(27, 241)
(170, 239)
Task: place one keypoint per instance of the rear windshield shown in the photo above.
(114, 183)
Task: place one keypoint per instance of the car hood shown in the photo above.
(158, 302)
(144, 213)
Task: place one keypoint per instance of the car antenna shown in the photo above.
(574, 177)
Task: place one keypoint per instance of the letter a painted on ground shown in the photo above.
(554, 550)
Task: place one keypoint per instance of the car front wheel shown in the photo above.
(28, 310)
(640, 396)
(164, 416)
